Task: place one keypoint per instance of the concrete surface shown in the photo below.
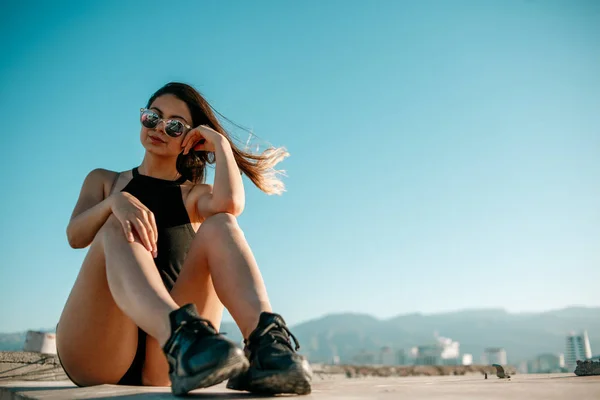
(28, 366)
(530, 387)
(22, 365)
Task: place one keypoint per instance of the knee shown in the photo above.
(219, 224)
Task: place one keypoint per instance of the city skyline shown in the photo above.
(433, 348)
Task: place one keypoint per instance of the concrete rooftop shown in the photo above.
(530, 387)
(25, 375)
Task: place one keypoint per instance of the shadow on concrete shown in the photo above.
(563, 377)
(39, 375)
(28, 391)
(4, 373)
(38, 388)
(162, 396)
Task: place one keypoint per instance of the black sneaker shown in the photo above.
(275, 367)
(198, 355)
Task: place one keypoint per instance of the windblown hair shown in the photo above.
(259, 168)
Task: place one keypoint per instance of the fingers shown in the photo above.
(185, 139)
(190, 137)
(146, 229)
(191, 140)
(149, 222)
(152, 231)
(200, 145)
(189, 144)
(136, 218)
(155, 232)
(128, 231)
(187, 148)
(143, 233)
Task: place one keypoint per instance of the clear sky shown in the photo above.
(444, 154)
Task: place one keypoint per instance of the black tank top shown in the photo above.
(175, 232)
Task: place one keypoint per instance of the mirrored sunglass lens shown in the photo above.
(149, 119)
(174, 127)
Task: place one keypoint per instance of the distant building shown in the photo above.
(429, 355)
(467, 359)
(546, 364)
(414, 353)
(40, 342)
(364, 358)
(387, 356)
(578, 348)
(401, 358)
(444, 351)
(494, 355)
(523, 367)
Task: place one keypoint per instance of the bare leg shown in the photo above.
(135, 283)
(221, 244)
(194, 285)
(219, 269)
(275, 367)
(95, 339)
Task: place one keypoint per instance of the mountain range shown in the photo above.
(522, 335)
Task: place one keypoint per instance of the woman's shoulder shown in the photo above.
(103, 175)
(105, 178)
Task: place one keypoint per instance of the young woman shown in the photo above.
(166, 256)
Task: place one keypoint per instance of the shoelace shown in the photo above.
(280, 334)
(197, 326)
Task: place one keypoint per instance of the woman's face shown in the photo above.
(155, 140)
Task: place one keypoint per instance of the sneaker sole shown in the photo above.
(235, 364)
(296, 380)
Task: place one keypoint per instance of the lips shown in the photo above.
(155, 139)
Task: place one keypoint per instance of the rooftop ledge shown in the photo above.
(37, 376)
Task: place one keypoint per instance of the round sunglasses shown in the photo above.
(173, 127)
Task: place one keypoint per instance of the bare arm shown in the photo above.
(91, 211)
(227, 195)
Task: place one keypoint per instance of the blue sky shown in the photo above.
(444, 154)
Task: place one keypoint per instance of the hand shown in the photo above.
(132, 214)
(201, 138)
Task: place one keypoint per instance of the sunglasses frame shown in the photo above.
(166, 121)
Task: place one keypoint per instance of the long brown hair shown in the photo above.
(259, 168)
